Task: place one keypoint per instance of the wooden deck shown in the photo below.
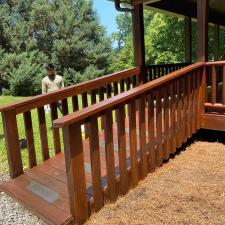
(43, 189)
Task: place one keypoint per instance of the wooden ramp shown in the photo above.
(43, 189)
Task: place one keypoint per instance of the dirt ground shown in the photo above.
(188, 190)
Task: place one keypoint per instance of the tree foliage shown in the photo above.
(65, 32)
(164, 40)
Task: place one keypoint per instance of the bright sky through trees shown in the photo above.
(107, 14)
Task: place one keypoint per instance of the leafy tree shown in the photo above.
(21, 74)
(165, 40)
(65, 32)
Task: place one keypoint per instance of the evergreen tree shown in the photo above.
(65, 32)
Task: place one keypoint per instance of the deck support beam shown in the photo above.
(202, 30)
(138, 39)
(187, 39)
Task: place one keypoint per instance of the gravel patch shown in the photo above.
(12, 213)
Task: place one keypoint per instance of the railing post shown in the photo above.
(202, 95)
(74, 158)
(12, 143)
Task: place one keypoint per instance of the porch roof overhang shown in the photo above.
(185, 8)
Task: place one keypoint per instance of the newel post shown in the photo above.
(202, 30)
(202, 95)
(74, 158)
(187, 39)
(138, 40)
(12, 143)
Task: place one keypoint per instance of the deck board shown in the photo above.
(51, 213)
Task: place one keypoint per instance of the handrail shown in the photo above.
(43, 99)
(165, 65)
(94, 109)
(215, 63)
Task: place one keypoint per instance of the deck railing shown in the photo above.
(77, 95)
(157, 71)
(143, 126)
(214, 99)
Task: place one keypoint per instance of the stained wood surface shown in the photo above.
(58, 95)
(123, 97)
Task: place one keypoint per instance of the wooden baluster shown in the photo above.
(213, 90)
(190, 105)
(109, 148)
(202, 98)
(84, 100)
(134, 81)
(194, 124)
(223, 89)
(43, 133)
(65, 109)
(150, 74)
(75, 103)
(128, 83)
(166, 122)
(95, 164)
(164, 71)
(142, 136)
(56, 136)
(151, 132)
(115, 88)
(85, 104)
(122, 86)
(159, 151)
(156, 73)
(168, 69)
(93, 97)
(109, 91)
(198, 99)
(30, 139)
(159, 72)
(153, 74)
(122, 149)
(12, 143)
(101, 94)
(172, 117)
(179, 113)
(101, 98)
(133, 142)
(74, 158)
(185, 108)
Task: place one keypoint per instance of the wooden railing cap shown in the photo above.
(216, 63)
(121, 98)
(40, 100)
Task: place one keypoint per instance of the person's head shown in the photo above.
(50, 69)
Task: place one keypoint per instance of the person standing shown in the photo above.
(52, 82)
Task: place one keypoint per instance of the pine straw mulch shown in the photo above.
(189, 189)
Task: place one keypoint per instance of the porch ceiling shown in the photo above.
(188, 8)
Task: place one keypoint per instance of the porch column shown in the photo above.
(216, 42)
(202, 30)
(138, 38)
(187, 39)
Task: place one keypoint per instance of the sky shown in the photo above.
(107, 14)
